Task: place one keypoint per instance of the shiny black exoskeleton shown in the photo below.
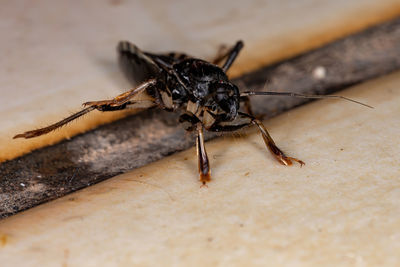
(207, 85)
(199, 88)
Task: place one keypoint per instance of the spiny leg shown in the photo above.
(275, 151)
(124, 97)
(244, 120)
(59, 124)
(203, 162)
(45, 130)
(120, 102)
(230, 55)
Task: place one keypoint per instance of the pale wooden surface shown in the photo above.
(56, 55)
(340, 209)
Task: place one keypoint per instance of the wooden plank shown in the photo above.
(53, 63)
(140, 139)
(340, 209)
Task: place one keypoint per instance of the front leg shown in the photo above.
(244, 120)
(203, 162)
(275, 151)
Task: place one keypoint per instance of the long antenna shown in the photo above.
(250, 93)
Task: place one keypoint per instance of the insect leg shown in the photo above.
(124, 97)
(59, 124)
(41, 131)
(243, 120)
(120, 102)
(203, 162)
(275, 151)
(230, 55)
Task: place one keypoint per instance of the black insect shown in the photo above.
(200, 90)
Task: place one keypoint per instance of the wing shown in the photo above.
(137, 66)
(168, 59)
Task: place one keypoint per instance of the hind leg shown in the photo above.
(120, 102)
(230, 55)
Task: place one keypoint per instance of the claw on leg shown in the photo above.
(287, 161)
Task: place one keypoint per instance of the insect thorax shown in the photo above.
(204, 91)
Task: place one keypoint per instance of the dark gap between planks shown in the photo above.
(129, 143)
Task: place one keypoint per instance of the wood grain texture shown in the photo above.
(340, 209)
(53, 63)
(143, 138)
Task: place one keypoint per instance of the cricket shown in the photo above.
(199, 90)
